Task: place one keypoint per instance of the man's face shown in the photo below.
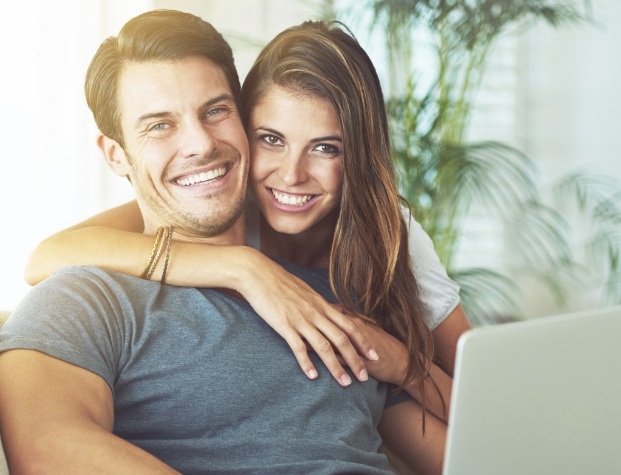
(185, 152)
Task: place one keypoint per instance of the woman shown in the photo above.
(324, 182)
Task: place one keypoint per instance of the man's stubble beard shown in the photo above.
(187, 223)
(211, 225)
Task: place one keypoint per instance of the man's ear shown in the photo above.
(114, 155)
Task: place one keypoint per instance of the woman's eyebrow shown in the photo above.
(267, 129)
(336, 138)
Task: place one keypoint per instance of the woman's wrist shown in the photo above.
(246, 266)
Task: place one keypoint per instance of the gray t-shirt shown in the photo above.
(198, 379)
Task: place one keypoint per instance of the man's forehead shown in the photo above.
(153, 84)
(190, 67)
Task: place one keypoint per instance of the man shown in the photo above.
(103, 372)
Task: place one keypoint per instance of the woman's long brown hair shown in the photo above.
(370, 266)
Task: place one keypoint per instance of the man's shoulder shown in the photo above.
(82, 280)
(317, 277)
(96, 294)
(90, 273)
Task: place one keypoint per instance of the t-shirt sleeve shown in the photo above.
(393, 397)
(438, 292)
(71, 317)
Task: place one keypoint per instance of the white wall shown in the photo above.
(51, 172)
(568, 115)
(572, 96)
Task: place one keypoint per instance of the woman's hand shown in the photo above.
(391, 367)
(303, 317)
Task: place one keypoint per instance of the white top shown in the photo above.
(439, 294)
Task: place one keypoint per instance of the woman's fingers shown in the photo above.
(303, 317)
(329, 343)
(332, 342)
(353, 329)
(300, 351)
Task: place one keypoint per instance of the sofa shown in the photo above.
(3, 468)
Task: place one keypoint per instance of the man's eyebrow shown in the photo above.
(226, 97)
(158, 115)
(149, 116)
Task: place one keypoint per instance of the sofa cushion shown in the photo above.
(3, 316)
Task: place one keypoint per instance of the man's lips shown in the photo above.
(202, 177)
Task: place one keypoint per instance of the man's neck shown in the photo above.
(234, 236)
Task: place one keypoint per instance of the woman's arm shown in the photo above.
(114, 240)
(445, 338)
(439, 295)
(417, 452)
(391, 367)
(99, 240)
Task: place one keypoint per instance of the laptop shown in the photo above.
(538, 397)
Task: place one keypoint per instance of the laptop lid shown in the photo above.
(538, 397)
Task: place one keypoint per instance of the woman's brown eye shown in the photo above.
(271, 139)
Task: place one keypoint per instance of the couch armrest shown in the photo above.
(3, 316)
(3, 467)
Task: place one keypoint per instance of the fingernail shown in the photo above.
(345, 380)
(373, 355)
(364, 375)
(312, 374)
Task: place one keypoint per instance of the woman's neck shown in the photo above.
(310, 248)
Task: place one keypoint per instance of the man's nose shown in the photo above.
(196, 139)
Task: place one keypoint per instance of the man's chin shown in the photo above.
(211, 225)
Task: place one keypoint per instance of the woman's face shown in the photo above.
(296, 167)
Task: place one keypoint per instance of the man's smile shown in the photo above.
(199, 178)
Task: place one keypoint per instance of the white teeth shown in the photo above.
(293, 200)
(202, 177)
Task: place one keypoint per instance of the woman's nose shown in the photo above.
(291, 170)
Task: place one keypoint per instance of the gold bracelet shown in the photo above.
(168, 243)
(155, 254)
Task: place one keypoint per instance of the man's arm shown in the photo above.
(56, 417)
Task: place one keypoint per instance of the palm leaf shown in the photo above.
(487, 295)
